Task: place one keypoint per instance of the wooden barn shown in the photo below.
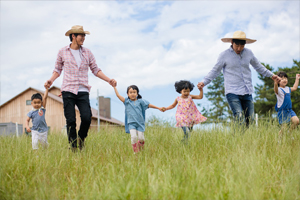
(15, 110)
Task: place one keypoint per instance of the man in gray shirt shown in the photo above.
(237, 76)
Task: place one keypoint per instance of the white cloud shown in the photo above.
(182, 41)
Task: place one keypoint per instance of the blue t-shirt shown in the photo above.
(135, 112)
(38, 120)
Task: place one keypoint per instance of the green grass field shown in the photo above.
(216, 164)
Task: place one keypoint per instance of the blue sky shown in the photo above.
(150, 44)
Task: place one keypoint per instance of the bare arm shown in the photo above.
(276, 87)
(102, 76)
(172, 105)
(27, 124)
(118, 95)
(200, 85)
(153, 106)
(295, 87)
(200, 96)
(45, 97)
(49, 82)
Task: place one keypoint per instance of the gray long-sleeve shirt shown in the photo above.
(236, 71)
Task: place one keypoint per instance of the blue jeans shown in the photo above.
(242, 107)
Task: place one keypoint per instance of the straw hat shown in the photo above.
(239, 35)
(77, 29)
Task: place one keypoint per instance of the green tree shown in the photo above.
(219, 110)
(265, 99)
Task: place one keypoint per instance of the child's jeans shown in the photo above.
(186, 131)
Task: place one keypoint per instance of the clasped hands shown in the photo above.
(112, 82)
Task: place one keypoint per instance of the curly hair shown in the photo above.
(180, 85)
(37, 96)
(134, 87)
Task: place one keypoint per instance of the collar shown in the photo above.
(131, 100)
(33, 109)
(82, 48)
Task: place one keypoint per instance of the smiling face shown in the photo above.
(132, 94)
(185, 93)
(283, 82)
(79, 39)
(36, 103)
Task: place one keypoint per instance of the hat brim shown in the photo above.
(228, 40)
(76, 31)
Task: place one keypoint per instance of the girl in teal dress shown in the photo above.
(135, 108)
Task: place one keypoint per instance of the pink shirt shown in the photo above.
(74, 75)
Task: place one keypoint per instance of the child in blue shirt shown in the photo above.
(39, 130)
(135, 108)
(284, 103)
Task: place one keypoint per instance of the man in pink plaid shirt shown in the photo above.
(76, 60)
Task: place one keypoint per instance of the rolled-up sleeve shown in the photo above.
(59, 63)
(92, 64)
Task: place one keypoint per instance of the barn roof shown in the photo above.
(59, 99)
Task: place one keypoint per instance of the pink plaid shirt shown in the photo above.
(74, 76)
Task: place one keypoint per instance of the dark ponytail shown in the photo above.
(134, 87)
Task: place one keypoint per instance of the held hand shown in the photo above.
(113, 82)
(276, 78)
(276, 81)
(200, 85)
(163, 109)
(48, 83)
(28, 130)
(298, 76)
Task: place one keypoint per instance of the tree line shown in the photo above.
(264, 100)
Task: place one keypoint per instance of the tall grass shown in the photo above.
(217, 164)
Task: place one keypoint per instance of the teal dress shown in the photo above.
(135, 114)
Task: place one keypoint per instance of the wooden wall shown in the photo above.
(16, 111)
(54, 90)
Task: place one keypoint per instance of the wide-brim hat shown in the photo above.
(239, 35)
(77, 29)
